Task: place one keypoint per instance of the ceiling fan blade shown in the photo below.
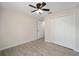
(38, 5)
(43, 4)
(33, 11)
(32, 6)
(46, 9)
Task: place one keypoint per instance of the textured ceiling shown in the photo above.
(24, 8)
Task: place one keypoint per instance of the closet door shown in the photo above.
(65, 31)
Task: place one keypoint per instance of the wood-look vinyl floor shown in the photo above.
(39, 48)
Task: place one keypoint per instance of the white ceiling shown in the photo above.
(24, 8)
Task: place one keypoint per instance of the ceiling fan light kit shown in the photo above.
(39, 11)
(39, 8)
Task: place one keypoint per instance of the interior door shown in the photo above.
(65, 31)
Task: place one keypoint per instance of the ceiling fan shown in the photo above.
(39, 8)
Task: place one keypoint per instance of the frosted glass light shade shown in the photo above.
(39, 11)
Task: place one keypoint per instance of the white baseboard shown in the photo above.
(76, 50)
(59, 44)
(48, 41)
(11, 46)
(16, 44)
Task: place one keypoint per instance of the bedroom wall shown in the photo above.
(16, 28)
(77, 30)
(61, 27)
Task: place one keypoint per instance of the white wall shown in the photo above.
(77, 30)
(60, 28)
(16, 28)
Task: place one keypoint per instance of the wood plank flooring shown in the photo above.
(39, 48)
